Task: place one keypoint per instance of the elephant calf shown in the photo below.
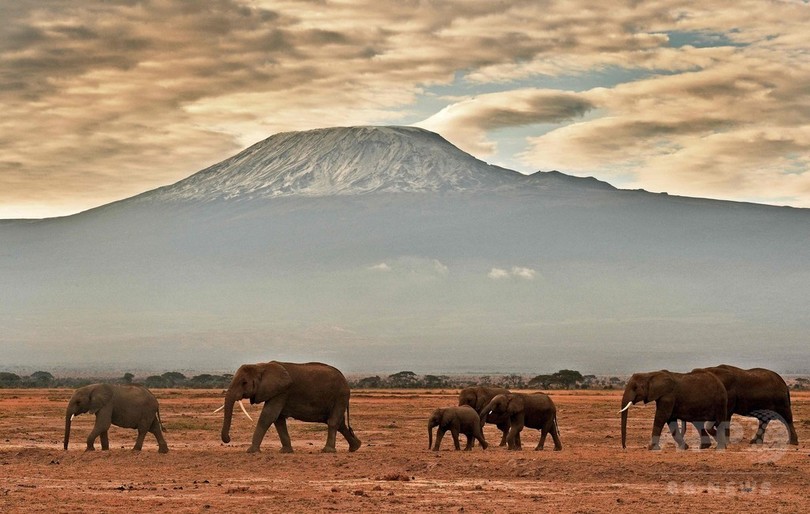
(459, 420)
(525, 410)
(126, 406)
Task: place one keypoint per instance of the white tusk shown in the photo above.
(626, 407)
(245, 410)
(488, 413)
(219, 409)
(72, 416)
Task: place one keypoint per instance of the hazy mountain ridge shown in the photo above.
(461, 266)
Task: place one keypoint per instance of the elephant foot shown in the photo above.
(328, 449)
(163, 449)
(253, 449)
(794, 442)
(89, 449)
(136, 449)
(705, 446)
(353, 447)
(558, 448)
(757, 440)
(484, 446)
(286, 449)
(653, 446)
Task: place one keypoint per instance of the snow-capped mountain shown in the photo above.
(387, 248)
(350, 161)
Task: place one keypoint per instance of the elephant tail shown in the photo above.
(160, 421)
(556, 426)
(348, 423)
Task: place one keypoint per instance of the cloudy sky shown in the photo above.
(103, 100)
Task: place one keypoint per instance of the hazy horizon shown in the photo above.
(427, 259)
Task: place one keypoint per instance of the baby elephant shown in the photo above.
(462, 419)
(126, 406)
(529, 410)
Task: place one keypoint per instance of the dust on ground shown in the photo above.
(393, 471)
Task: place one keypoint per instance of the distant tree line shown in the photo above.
(563, 379)
(168, 380)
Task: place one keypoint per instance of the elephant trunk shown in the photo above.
(626, 402)
(230, 399)
(431, 424)
(484, 413)
(68, 419)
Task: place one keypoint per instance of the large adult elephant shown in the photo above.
(477, 397)
(526, 410)
(313, 392)
(126, 406)
(698, 396)
(759, 393)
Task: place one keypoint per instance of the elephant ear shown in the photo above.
(514, 405)
(658, 385)
(273, 380)
(98, 398)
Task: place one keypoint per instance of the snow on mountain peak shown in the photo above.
(342, 161)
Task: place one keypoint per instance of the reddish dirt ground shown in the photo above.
(393, 471)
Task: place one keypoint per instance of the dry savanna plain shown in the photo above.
(393, 471)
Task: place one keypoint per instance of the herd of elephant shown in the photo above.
(316, 392)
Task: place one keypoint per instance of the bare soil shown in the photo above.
(393, 471)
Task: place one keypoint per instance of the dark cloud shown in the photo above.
(96, 93)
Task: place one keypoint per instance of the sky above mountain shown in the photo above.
(102, 101)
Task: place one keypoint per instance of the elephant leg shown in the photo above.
(283, 434)
(335, 420)
(454, 432)
(705, 435)
(674, 430)
(793, 437)
(512, 441)
(439, 434)
(555, 436)
(542, 442)
(331, 439)
(139, 440)
(105, 440)
(676, 434)
(470, 442)
(478, 433)
(504, 428)
(269, 415)
(662, 416)
(102, 424)
(759, 437)
(348, 433)
(723, 433)
(158, 433)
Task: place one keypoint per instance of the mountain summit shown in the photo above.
(345, 161)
